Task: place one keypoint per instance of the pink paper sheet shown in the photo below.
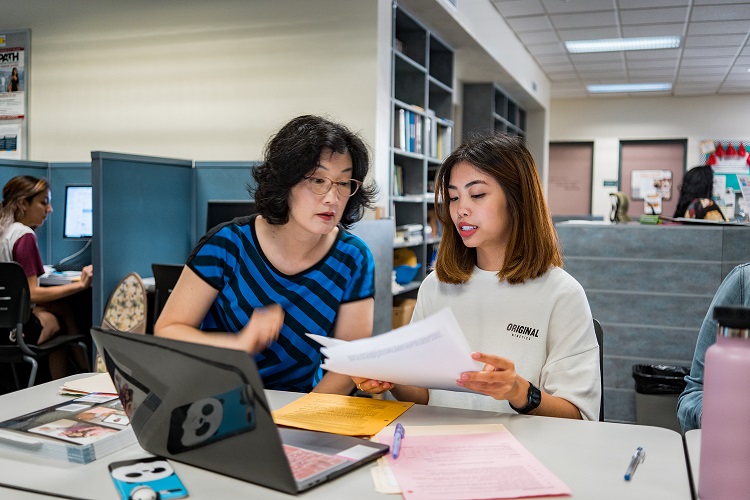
(470, 466)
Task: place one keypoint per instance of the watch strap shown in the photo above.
(533, 401)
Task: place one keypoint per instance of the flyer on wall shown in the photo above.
(11, 139)
(12, 83)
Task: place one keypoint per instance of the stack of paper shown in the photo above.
(431, 353)
(100, 383)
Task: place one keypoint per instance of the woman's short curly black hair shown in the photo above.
(294, 152)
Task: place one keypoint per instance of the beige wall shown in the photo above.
(195, 79)
(607, 121)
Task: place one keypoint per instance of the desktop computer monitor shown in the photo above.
(78, 221)
(220, 211)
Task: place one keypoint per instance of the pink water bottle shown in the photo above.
(725, 438)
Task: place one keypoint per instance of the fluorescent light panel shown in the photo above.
(628, 87)
(621, 44)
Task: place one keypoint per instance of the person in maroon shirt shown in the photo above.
(25, 206)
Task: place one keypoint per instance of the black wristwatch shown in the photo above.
(535, 399)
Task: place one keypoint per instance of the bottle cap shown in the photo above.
(734, 321)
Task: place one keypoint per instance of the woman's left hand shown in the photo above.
(498, 379)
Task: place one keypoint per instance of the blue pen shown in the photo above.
(398, 435)
(638, 457)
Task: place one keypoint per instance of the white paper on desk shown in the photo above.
(430, 353)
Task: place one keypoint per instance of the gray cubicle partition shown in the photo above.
(12, 168)
(61, 175)
(650, 287)
(143, 213)
(220, 181)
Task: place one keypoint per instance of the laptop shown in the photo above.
(205, 406)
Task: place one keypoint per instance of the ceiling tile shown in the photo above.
(599, 67)
(537, 37)
(588, 34)
(584, 20)
(652, 63)
(672, 29)
(558, 7)
(529, 23)
(653, 16)
(514, 8)
(644, 4)
(730, 12)
(711, 28)
(692, 41)
(701, 62)
(661, 74)
(597, 57)
(710, 52)
(715, 71)
(667, 54)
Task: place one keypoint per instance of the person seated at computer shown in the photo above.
(25, 206)
(260, 283)
(499, 269)
(733, 291)
(695, 200)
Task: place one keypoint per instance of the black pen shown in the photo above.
(638, 457)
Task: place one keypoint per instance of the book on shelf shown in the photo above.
(444, 142)
(79, 431)
(412, 234)
(398, 180)
(407, 131)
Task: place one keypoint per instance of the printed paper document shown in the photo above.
(468, 466)
(430, 353)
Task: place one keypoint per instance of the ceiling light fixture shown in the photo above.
(620, 44)
(628, 87)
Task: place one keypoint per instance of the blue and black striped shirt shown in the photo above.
(230, 259)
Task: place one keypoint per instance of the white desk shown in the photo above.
(693, 451)
(590, 457)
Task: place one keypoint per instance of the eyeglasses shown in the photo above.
(321, 186)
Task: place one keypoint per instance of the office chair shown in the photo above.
(126, 310)
(165, 278)
(15, 310)
(600, 339)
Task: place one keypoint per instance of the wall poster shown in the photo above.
(14, 82)
(651, 182)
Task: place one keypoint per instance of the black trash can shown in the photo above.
(657, 388)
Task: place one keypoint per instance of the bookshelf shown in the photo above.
(487, 108)
(422, 125)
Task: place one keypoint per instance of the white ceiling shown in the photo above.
(713, 58)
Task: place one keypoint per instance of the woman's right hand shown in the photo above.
(371, 386)
(87, 274)
(262, 329)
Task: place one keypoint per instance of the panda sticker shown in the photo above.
(146, 479)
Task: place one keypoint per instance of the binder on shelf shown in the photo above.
(79, 431)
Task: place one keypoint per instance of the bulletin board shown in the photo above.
(15, 51)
